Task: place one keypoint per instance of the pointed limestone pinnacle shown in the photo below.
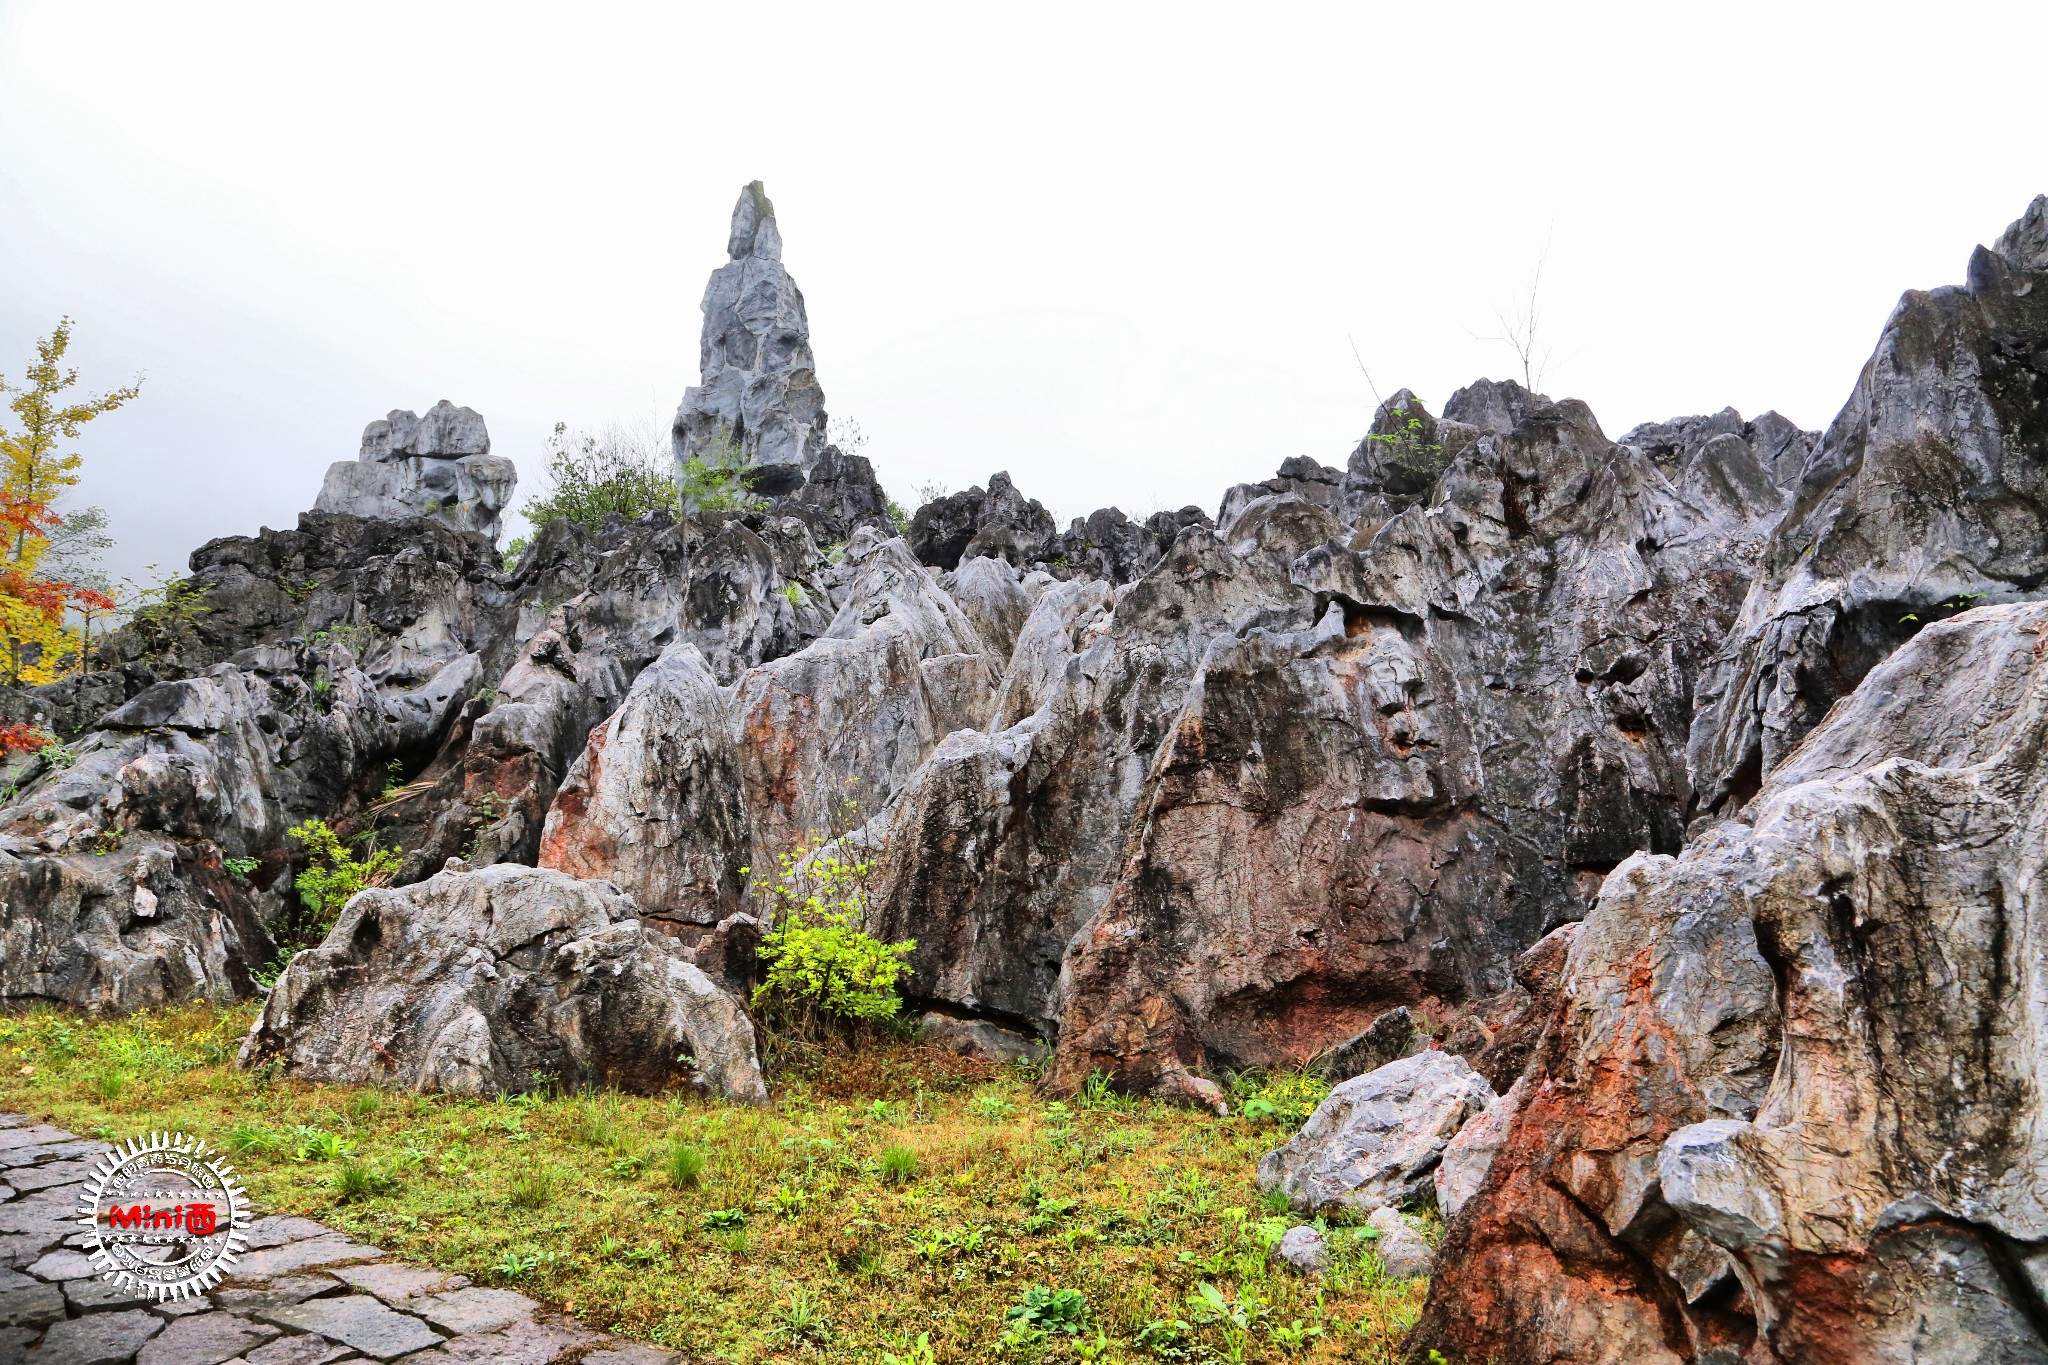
(753, 227)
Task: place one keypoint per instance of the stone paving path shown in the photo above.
(303, 1294)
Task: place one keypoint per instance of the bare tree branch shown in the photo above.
(1520, 330)
(1377, 400)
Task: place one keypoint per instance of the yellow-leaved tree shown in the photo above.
(36, 466)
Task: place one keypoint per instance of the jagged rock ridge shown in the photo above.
(1191, 793)
(1787, 1105)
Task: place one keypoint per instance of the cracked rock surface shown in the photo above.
(1790, 1105)
(473, 982)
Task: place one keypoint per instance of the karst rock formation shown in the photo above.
(1688, 783)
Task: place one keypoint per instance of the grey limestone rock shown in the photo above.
(445, 433)
(439, 466)
(999, 522)
(1405, 1252)
(1302, 1250)
(1468, 1157)
(1298, 475)
(1927, 494)
(759, 384)
(1376, 1139)
(2025, 242)
(979, 1038)
(476, 982)
(1388, 1038)
(1108, 545)
(1791, 1058)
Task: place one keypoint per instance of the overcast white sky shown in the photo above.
(1118, 250)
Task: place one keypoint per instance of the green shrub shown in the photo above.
(715, 479)
(331, 877)
(595, 1123)
(251, 1139)
(318, 1146)
(1407, 451)
(917, 1352)
(991, 1106)
(592, 476)
(822, 966)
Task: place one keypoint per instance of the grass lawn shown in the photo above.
(894, 1204)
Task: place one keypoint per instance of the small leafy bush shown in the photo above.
(917, 1352)
(822, 966)
(332, 876)
(318, 1146)
(1284, 1097)
(593, 475)
(991, 1106)
(1409, 453)
(715, 479)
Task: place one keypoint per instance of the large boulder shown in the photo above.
(1791, 1108)
(488, 982)
(1375, 1140)
(437, 466)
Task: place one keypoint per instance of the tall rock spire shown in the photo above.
(758, 385)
